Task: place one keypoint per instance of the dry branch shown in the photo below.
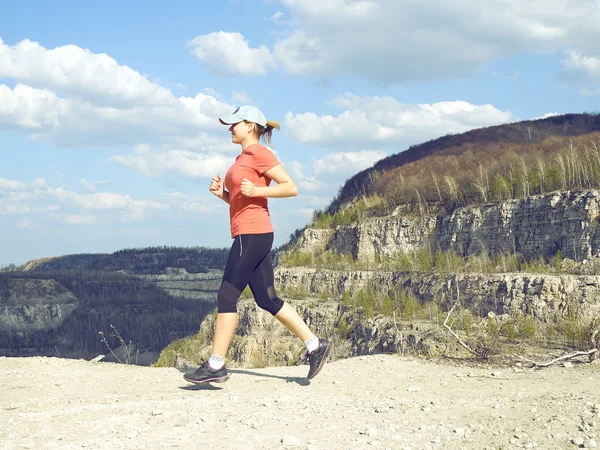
(594, 330)
(448, 326)
(398, 333)
(592, 354)
(559, 359)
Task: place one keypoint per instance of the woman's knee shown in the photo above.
(227, 298)
(272, 305)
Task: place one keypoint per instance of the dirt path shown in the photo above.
(373, 402)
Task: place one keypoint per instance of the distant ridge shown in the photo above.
(150, 260)
(524, 132)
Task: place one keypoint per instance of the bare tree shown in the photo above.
(482, 184)
(525, 178)
(541, 172)
(452, 188)
(563, 170)
(437, 186)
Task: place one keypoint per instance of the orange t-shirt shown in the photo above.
(249, 215)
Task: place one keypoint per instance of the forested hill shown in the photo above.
(146, 261)
(459, 161)
(146, 297)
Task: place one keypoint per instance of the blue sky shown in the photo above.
(108, 111)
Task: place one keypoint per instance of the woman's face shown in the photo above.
(241, 131)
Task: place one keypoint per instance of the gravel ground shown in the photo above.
(371, 402)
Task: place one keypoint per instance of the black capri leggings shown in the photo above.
(249, 263)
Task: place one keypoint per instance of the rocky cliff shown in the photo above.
(28, 305)
(260, 340)
(541, 296)
(537, 225)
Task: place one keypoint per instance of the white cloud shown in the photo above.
(198, 207)
(545, 116)
(36, 201)
(80, 73)
(305, 212)
(25, 224)
(316, 201)
(15, 185)
(93, 186)
(229, 53)
(31, 109)
(76, 219)
(365, 121)
(389, 40)
(79, 99)
(13, 209)
(139, 210)
(240, 98)
(11, 185)
(306, 183)
(296, 169)
(205, 143)
(275, 17)
(347, 163)
(193, 203)
(589, 92)
(311, 184)
(175, 162)
(336, 11)
(211, 92)
(581, 67)
(39, 183)
(88, 186)
(302, 54)
(98, 200)
(141, 149)
(74, 123)
(509, 75)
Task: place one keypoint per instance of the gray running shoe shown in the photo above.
(317, 357)
(204, 374)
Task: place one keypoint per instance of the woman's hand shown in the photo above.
(216, 186)
(248, 189)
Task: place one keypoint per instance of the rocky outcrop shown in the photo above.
(541, 296)
(28, 305)
(313, 239)
(260, 340)
(538, 225)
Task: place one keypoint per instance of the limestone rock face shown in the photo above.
(260, 340)
(28, 305)
(312, 239)
(537, 225)
(382, 236)
(541, 296)
(568, 221)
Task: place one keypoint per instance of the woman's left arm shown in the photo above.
(285, 186)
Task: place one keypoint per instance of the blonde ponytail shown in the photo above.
(266, 133)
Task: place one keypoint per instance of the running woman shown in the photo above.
(246, 188)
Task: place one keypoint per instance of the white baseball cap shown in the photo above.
(246, 112)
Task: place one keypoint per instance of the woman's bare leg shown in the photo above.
(293, 322)
(224, 328)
